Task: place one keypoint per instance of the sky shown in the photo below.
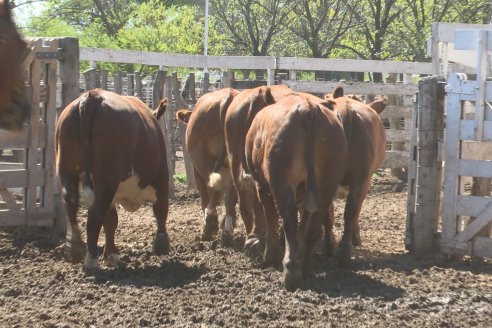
(25, 10)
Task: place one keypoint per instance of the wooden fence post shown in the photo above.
(206, 83)
(395, 124)
(91, 78)
(129, 85)
(422, 228)
(104, 79)
(118, 83)
(138, 85)
(159, 93)
(227, 79)
(168, 135)
(70, 89)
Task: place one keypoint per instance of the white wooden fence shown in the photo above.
(467, 216)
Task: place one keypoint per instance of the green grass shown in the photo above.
(180, 177)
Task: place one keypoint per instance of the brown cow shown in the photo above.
(14, 104)
(115, 145)
(366, 140)
(237, 120)
(296, 152)
(206, 146)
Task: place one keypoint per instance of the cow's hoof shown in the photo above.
(342, 256)
(112, 260)
(75, 251)
(210, 228)
(292, 277)
(161, 244)
(272, 256)
(329, 247)
(356, 241)
(227, 238)
(91, 263)
(252, 247)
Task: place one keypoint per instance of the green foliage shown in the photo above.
(181, 177)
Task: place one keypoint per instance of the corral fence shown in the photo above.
(400, 86)
(449, 203)
(415, 129)
(27, 180)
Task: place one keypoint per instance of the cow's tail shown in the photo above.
(87, 110)
(311, 195)
(221, 176)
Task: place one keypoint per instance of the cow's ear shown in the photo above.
(338, 92)
(328, 103)
(268, 96)
(379, 105)
(183, 115)
(159, 111)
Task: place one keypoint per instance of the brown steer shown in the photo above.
(206, 146)
(296, 152)
(14, 104)
(237, 121)
(366, 140)
(115, 145)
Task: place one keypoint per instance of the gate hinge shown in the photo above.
(50, 54)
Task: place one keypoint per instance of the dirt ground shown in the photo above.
(208, 285)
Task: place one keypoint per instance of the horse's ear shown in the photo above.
(338, 92)
(183, 115)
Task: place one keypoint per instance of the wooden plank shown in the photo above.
(352, 87)
(48, 162)
(472, 205)
(353, 65)
(21, 178)
(412, 176)
(482, 247)
(397, 135)
(451, 156)
(176, 60)
(470, 39)
(32, 150)
(397, 112)
(9, 140)
(468, 130)
(445, 31)
(484, 218)
(13, 218)
(395, 159)
(6, 166)
(474, 168)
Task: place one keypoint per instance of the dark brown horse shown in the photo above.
(14, 104)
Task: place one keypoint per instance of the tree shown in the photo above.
(321, 25)
(375, 20)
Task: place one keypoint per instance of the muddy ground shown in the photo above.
(208, 285)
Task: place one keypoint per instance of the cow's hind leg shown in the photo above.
(229, 221)
(329, 241)
(161, 208)
(75, 247)
(110, 254)
(351, 216)
(308, 236)
(96, 216)
(287, 210)
(210, 221)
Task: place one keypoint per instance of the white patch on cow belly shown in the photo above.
(131, 196)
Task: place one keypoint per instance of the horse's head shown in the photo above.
(14, 105)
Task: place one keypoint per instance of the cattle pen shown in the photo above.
(438, 207)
